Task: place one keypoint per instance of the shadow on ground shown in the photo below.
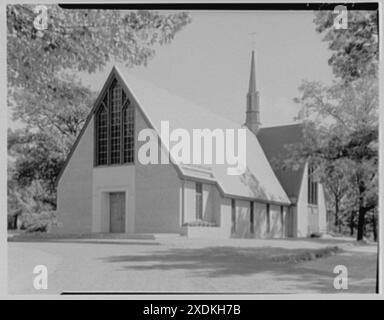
(89, 241)
(222, 262)
(213, 261)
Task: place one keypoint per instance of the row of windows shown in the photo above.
(199, 211)
(114, 128)
(312, 199)
(252, 217)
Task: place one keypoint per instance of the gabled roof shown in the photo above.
(274, 141)
(258, 182)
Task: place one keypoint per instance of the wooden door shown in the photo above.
(117, 212)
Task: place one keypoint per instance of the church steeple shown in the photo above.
(252, 120)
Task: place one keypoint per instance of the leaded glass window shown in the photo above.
(102, 136)
(128, 133)
(312, 187)
(114, 128)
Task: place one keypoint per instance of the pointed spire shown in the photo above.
(252, 77)
(252, 119)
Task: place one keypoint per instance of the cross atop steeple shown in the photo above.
(253, 34)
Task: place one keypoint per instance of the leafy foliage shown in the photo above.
(37, 157)
(341, 120)
(45, 94)
(341, 140)
(81, 40)
(42, 86)
(355, 49)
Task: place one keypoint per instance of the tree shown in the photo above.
(355, 49)
(37, 158)
(341, 120)
(81, 40)
(60, 118)
(41, 65)
(333, 177)
(45, 93)
(341, 125)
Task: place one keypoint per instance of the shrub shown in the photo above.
(38, 222)
(316, 235)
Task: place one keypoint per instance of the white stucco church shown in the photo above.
(103, 188)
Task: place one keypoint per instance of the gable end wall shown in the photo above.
(74, 190)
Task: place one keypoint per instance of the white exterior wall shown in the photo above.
(74, 190)
(302, 209)
(113, 179)
(189, 201)
(216, 209)
(152, 193)
(211, 199)
(158, 191)
(157, 199)
(302, 206)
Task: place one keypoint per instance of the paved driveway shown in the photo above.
(181, 265)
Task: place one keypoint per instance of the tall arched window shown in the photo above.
(102, 136)
(114, 127)
(128, 133)
(312, 186)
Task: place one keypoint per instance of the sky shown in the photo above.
(208, 62)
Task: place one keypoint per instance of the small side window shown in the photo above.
(199, 201)
(252, 218)
(268, 218)
(233, 207)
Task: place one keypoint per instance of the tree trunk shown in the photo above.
(362, 212)
(352, 223)
(361, 224)
(374, 227)
(336, 213)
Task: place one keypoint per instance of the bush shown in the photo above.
(38, 222)
(13, 219)
(199, 223)
(316, 235)
(307, 255)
